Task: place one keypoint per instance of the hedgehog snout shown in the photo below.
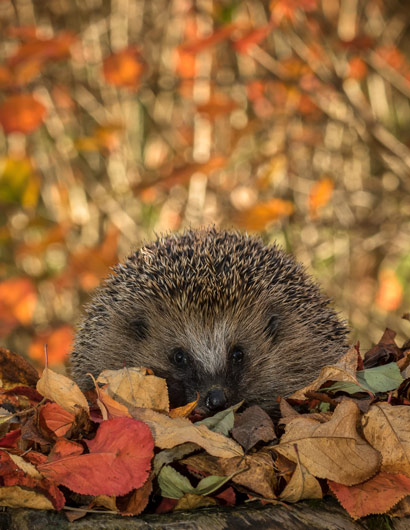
(216, 399)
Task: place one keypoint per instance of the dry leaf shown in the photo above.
(191, 501)
(16, 497)
(302, 485)
(109, 407)
(139, 499)
(332, 450)
(387, 429)
(170, 432)
(185, 410)
(252, 426)
(14, 370)
(62, 390)
(255, 471)
(134, 387)
(343, 370)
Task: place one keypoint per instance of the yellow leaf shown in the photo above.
(62, 390)
(133, 387)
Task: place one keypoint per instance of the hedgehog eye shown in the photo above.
(237, 355)
(180, 357)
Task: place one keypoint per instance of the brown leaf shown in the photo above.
(384, 352)
(376, 495)
(15, 370)
(343, 370)
(134, 387)
(138, 500)
(170, 432)
(302, 485)
(255, 471)
(62, 390)
(252, 426)
(387, 429)
(332, 450)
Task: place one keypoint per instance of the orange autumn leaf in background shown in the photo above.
(59, 344)
(21, 113)
(319, 195)
(124, 68)
(17, 302)
(390, 292)
(257, 217)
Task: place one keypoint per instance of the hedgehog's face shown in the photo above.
(225, 359)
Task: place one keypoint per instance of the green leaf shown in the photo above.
(174, 485)
(210, 484)
(381, 378)
(377, 379)
(221, 422)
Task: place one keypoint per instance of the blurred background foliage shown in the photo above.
(121, 119)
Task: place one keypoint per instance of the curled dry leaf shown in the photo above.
(376, 495)
(343, 370)
(118, 460)
(62, 390)
(109, 407)
(387, 429)
(170, 432)
(332, 450)
(135, 387)
(302, 485)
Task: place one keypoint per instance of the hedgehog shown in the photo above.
(215, 313)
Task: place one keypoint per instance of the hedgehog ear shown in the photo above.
(272, 325)
(139, 328)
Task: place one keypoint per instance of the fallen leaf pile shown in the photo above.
(121, 449)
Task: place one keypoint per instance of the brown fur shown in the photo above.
(209, 294)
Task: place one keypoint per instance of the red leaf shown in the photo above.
(21, 113)
(376, 495)
(55, 419)
(64, 448)
(10, 439)
(119, 460)
(12, 475)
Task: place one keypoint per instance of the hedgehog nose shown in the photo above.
(215, 399)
